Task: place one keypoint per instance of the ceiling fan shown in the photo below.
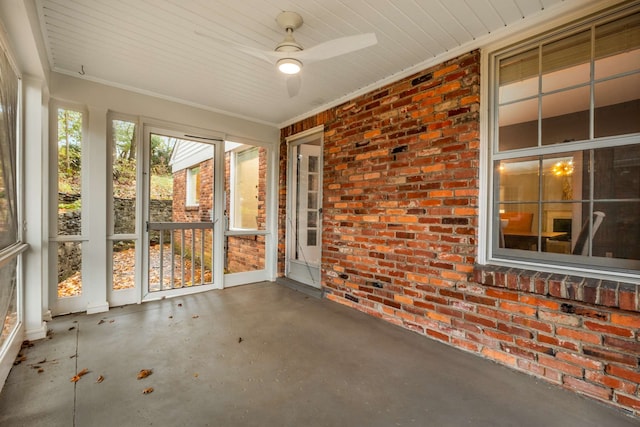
(289, 56)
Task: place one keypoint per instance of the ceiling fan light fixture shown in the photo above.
(289, 65)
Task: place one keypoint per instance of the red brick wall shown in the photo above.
(400, 200)
(202, 212)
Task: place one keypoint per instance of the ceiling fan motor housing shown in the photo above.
(289, 21)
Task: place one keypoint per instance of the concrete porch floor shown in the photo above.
(302, 361)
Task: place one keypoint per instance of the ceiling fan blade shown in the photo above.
(266, 55)
(336, 47)
(294, 82)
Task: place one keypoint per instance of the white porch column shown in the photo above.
(95, 212)
(36, 177)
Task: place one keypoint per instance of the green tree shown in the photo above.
(124, 154)
(125, 138)
(161, 148)
(69, 155)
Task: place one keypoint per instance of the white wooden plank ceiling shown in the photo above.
(152, 46)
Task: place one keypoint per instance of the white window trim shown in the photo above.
(485, 193)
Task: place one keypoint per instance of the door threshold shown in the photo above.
(300, 287)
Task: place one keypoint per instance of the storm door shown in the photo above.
(247, 235)
(304, 213)
(180, 213)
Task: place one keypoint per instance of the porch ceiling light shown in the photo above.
(289, 65)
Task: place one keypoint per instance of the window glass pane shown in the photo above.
(560, 225)
(193, 186)
(124, 176)
(8, 159)
(565, 62)
(617, 106)
(245, 191)
(8, 299)
(521, 67)
(518, 124)
(517, 180)
(518, 90)
(519, 226)
(562, 178)
(617, 46)
(589, 237)
(313, 163)
(312, 237)
(567, 77)
(313, 182)
(565, 116)
(312, 200)
(69, 172)
(617, 64)
(123, 264)
(161, 180)
(619, 231)
(617, 173)
(69, 269)
(312, 219)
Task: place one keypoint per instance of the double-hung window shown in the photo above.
(565, 138)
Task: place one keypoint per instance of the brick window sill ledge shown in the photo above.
(624, 296)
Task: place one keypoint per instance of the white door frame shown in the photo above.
(271, 226)
(217, 140)
(301, 271)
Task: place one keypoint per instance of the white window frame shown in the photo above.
(488, 152)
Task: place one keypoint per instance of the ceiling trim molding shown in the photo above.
(164, 97)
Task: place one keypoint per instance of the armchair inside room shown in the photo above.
(582, 246)
(517, 221)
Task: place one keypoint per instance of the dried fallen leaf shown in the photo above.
(111, 321)
(195, 316)
(72, 328)
(40, 370)
(195, 375)
(79, 375)
(101, 322)
(144, 373)
(100, 379)
(147, 390)
(43, 360)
